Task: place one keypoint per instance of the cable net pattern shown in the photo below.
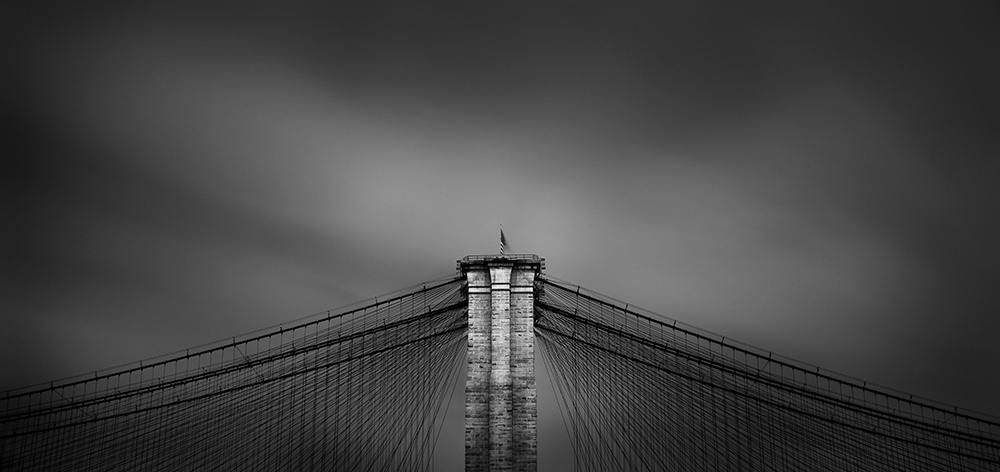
(639, 392)
(361, 389)
(364, 389)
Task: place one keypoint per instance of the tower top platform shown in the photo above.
(518, 260)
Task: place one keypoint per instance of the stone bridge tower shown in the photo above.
(501, 411)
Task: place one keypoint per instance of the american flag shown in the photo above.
(503, 243)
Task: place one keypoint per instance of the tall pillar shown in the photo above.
(501, 432)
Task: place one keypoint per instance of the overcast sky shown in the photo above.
(815, 178)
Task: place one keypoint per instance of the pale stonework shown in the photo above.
(501, 419)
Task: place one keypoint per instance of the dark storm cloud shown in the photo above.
(87, 229)
(818, 179)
